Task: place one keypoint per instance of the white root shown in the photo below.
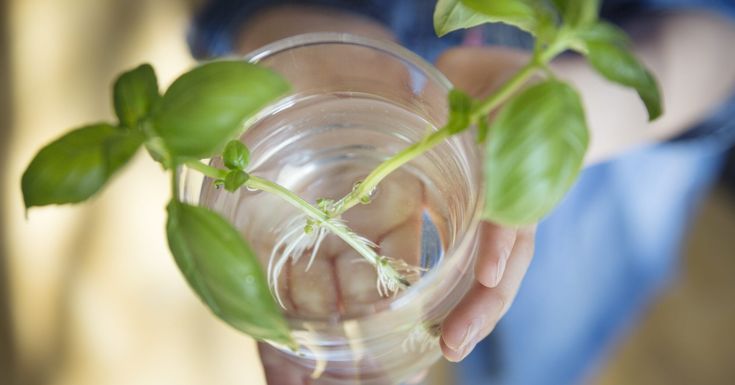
(295, 241)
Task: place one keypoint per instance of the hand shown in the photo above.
(504, 253)
(278, 370)
(487, 300)
(339, 282)
(502, 262)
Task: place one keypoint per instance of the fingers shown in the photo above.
(482, 307)
(495, 248)
(470, 322)
(418, 378)
(280, 370)
(395, 203)
(340, 282)
(312, 292)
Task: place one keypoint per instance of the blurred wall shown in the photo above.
(94, 296)
(7, 346)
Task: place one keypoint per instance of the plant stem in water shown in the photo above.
(386, 270)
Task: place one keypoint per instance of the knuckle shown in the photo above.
(505, 302)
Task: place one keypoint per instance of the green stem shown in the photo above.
(367, 185)
(174, 186)
(212, 172)
(309, 210)
(316, 214)
(505, 91)
(559, 45)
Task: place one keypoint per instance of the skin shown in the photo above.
(685, 50)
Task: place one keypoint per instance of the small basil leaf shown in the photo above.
(451, 15)
(74, 167)
(134, 94)
(206, 107)
(534, 153)
(617, 64)
(236, 155)
(578, 12)
(224, 272)
(460, 107)
(235, 179)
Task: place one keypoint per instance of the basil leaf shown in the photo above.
(134, 94)
(451, 15)
(206, 107)
(235, 179)
(578, 12)
(606, 48)
(617, 64)
(603, 32)
(224, 272)
(236, 155)
(546, 26)
(534, 153)
(460, 107)
(120, 148)
(74, 167)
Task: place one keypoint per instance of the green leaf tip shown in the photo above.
(135, 94)
(607, 49)
(76, 166)
(617, 64)
(224, 272)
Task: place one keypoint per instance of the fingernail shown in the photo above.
(500, 269)
(469, 339)
(466, 352)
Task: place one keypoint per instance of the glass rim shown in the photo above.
(319, 38)
(464, 240)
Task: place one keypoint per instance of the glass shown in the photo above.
(355, 102)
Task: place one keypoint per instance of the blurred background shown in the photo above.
(90, 295)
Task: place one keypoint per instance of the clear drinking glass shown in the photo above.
(355, 102)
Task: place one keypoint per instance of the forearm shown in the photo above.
(693, 57)
(280, 22)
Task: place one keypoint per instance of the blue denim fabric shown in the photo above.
(603, 253)
(601, 256)
(411, 21)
